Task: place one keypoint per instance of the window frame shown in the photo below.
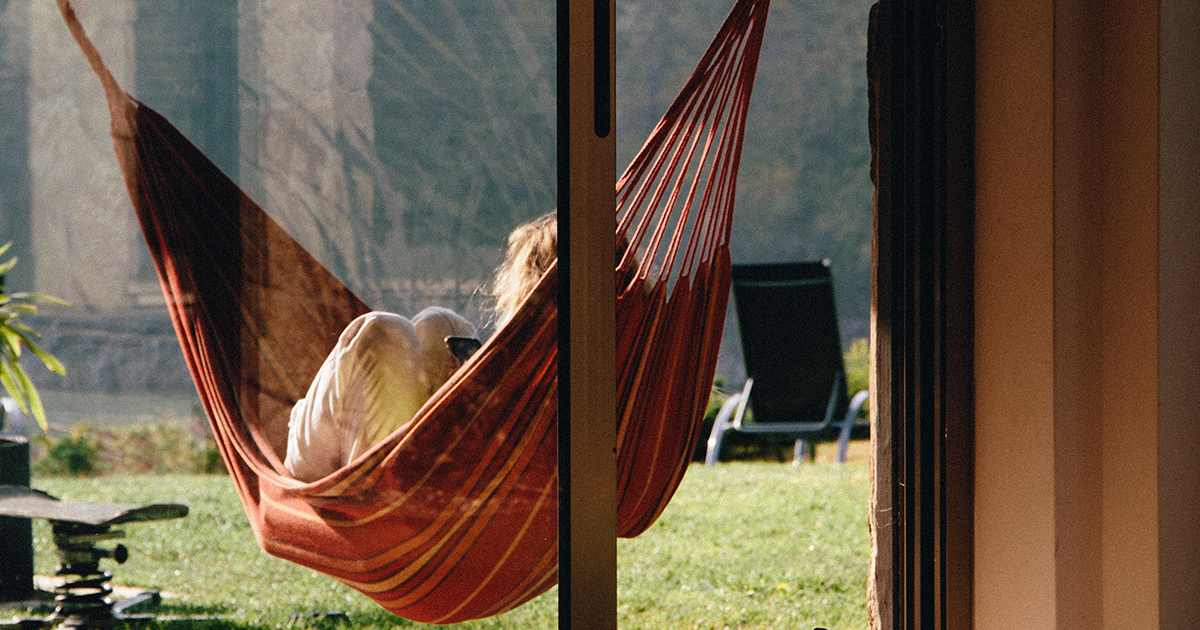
(921, 78)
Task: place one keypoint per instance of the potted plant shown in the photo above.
(16, 335)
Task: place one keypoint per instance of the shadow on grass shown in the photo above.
(197, 624)
(181, 610)
(177, 616)
(41, 605)
(211, 618)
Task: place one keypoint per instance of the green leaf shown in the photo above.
(10, 262)
(35, 400)
(50, 299)
(13, 335)
(39, 411)
(50, 361)
(11, 386)
(11, 339)
(42, 298)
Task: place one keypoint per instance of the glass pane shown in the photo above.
(399, 144)
(754, 542)
(425, 133)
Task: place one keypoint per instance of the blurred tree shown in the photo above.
(804, 191)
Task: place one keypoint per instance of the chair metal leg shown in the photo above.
(803, 451)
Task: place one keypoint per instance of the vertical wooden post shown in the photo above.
(921, 69)
(587, 317)
(1179, 336)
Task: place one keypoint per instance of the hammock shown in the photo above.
(456, 518)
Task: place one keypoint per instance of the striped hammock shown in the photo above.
(455, 519)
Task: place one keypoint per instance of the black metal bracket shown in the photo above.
(83, 599)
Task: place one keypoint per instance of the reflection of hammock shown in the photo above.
(457, 518)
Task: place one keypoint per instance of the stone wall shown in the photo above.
(126, 353)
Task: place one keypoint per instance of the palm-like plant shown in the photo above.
(14, 335)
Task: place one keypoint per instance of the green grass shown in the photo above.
(752, 546)
(742, 545)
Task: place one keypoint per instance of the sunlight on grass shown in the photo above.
(742, 545)
(753, 546)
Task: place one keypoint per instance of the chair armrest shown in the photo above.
(856, 404)
(743, 399)
(852, 410)
(735, 407)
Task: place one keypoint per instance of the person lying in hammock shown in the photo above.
(384, 366)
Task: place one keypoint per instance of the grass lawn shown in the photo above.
(742, 545)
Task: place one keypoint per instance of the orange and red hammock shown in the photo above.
(457, 518)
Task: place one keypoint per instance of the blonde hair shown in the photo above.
(532, 248)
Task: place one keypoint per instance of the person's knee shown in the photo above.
(433, 325)
(380, 331)
(440, 322)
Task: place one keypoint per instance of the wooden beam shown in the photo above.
(921, 76)
(587, 318)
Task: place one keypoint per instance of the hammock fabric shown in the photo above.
(456, 518)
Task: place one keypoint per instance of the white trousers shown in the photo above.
(383, 368)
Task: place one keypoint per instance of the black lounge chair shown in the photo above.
(796, 378)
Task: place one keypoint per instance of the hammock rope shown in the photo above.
(455, 518)
(668, 337)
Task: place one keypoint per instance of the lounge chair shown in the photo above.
(796, 378)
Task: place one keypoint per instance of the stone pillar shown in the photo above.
(306, 66)
(84, 231)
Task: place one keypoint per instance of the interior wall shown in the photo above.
(1014, 316)
(1077, 328)
(1129, 377)
(1179, 295)
(1067, 319)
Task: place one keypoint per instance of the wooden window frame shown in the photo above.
(587, 454)
(921, 70)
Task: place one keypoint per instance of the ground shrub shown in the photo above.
(858, 366)
(73, 454)
(148, 448)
